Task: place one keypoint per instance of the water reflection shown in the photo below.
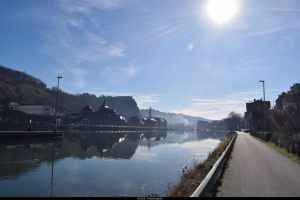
(19, 157)
(31, 159)
(214, 135)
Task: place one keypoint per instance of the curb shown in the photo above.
(214, 173)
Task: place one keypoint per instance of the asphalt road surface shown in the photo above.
(257, 170)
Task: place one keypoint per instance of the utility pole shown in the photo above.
(264, 104)
(53, 144)
(59, 77)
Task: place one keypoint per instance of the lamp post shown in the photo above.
(264, 112)
(52, 168)
(59, 77)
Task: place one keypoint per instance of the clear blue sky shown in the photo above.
(168, 54)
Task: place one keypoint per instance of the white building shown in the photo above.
(34, 109)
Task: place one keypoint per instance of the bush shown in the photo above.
(266, 136)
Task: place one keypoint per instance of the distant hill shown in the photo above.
(23, 88)
(174, 118)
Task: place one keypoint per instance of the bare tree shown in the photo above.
(233, 121)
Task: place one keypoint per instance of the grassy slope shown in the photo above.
(191, 179)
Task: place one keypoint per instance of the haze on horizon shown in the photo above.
(197, 57)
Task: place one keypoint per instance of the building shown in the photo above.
(154, 122)
(43, 110)
(25, 116)
(135, 121)
(256, 111)
(290, 100)
(161, 123)
(19, 120)
(103, 116)
(149, 122)
(13, 116)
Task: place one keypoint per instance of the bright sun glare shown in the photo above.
(222, 11)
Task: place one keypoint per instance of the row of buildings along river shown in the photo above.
(257, 115)
(16, 116)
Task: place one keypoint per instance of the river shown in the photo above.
(100, 164)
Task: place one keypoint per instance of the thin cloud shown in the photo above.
(117, 74)
(86, 7)
(75, 41)
(79, 76)
(265, 32)
(86, 45)
(286, 6)
(168, 31)
(287, 9)
(164, 30)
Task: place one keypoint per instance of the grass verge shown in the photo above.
(280, 150)
(193, 177)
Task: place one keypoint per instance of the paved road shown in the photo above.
(256, 170)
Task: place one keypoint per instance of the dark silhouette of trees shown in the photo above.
(233, 121)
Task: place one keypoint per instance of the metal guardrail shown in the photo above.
(214, 173)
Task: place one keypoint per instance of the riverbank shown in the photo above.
(192, 178)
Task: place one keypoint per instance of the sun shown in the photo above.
(222, 11)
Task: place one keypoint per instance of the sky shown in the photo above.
(167, 54)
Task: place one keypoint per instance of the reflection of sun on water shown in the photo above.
(222, 11)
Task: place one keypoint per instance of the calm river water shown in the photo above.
(100, 164)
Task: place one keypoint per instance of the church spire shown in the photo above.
(150, 112)
(103, 104)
